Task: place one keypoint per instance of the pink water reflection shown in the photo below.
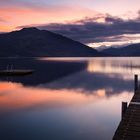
(17, 96)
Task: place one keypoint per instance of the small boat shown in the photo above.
(16, 72)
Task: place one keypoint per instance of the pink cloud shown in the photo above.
(18, 16)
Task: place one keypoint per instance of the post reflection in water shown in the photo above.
(82, 105)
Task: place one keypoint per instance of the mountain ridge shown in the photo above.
(130, 50)
(36, 43)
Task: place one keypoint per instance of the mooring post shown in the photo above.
(124, 108)
(136, 84)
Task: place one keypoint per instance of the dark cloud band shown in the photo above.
(88, 30)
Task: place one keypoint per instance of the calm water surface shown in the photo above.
(65, 99)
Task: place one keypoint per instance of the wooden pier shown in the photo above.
(129, 127)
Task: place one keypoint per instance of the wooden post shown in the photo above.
(136, 83)
(124, 108)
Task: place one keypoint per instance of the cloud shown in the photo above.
(19, 14)
(54, 16)
(2, 20)
(21, 3)
(89, 82)
(96, 29)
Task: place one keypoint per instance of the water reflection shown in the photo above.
(57, 114)
(125, 67)
(44, 71)
(66, 99)
(21, 97)
(89, 82)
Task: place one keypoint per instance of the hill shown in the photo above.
(130, 50)
(32, 42)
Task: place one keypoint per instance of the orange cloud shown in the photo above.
(25, 16)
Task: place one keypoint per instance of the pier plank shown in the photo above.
(129, 127)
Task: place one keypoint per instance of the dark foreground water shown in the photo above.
(65, 99)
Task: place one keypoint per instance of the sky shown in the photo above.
(96, 23)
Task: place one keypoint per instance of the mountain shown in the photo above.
(130, 50)
(35, 42)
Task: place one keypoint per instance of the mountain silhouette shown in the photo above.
(130, 50)
(32, 42)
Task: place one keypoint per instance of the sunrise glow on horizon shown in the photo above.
(63, 16)
(14, 13)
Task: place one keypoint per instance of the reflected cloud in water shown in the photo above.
(66, 99)
(57, 114)
(89, 83)
(15, 95)
(124, 66)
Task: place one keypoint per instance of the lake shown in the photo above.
(65, 98)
